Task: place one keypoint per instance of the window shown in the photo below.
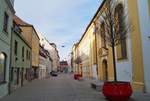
(22, 53)
(121, 47)
(2, 67)
(16, 47)
(103, 35)
(29, 55)
(5, 25)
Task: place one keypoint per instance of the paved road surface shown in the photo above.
(61, 88)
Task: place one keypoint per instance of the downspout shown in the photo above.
(10, 68)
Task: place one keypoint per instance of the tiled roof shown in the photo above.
(19, 21)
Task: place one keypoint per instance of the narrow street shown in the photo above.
(61, 88)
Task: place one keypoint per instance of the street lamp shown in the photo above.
(63, 46)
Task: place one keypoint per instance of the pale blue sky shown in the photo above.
(61, 21)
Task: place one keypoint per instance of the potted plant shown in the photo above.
(117, 30)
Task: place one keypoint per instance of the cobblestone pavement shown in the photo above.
(61, 88)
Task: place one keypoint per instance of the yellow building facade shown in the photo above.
(86, 51)
(96, 54)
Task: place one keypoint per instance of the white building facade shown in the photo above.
(52, 49)
(136, 67)
(144, 18)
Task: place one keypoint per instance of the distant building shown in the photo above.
(6, 19)
(44, 43)
(55, 57)
(63, 66)
(45, 62)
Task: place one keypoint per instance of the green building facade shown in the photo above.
(20, 58)
(6, 18)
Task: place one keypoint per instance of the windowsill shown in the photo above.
(122, 59)
(2, 83)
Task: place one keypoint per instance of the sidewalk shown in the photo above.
(140, 97)
(136, 96)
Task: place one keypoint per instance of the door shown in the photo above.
(105, 70)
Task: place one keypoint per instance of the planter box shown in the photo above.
(117, 91)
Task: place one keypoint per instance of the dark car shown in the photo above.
(53, 73)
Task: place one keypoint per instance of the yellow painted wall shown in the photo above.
(74, 58)
(30, 36)
(26, 34)
(35, 49)
(99, 47)
(86, 48)
(137, 57)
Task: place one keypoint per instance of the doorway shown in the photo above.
(105, 70)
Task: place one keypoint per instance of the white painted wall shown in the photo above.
(48, 47)
(94, 72)
(145, 32)
(124, 68)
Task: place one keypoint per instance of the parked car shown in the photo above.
(53, 73)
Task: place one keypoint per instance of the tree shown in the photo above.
(115, 18)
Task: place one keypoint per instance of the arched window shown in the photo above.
(103, 35)
(119, 29)
(2, 67)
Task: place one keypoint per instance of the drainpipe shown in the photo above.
(10, 63)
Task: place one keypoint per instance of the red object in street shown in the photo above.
(77, 76)
(117, 91)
